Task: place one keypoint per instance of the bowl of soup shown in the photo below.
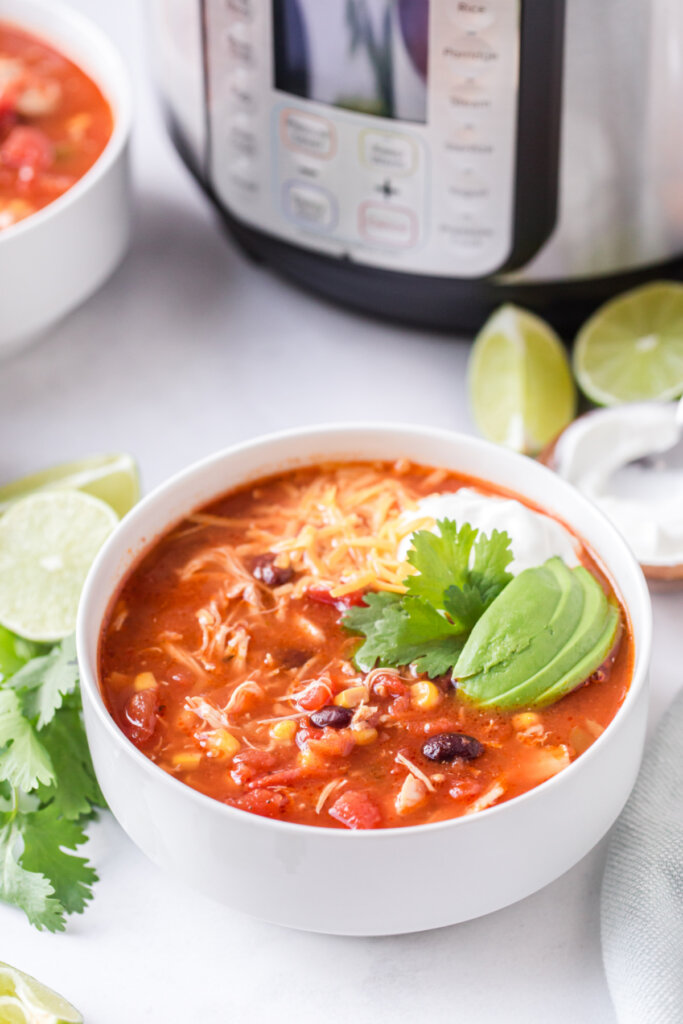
(64, 129)
(365, 679)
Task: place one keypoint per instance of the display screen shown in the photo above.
(364, 55)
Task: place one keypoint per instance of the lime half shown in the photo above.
(520, 382)
(112, 478)
(631, 349)
(23, 1000)
(47, 544)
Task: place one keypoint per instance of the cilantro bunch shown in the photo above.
(48, 789)
(459, 573)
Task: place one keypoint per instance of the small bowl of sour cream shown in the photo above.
(628, 460)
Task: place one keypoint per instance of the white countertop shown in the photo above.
(188, 348)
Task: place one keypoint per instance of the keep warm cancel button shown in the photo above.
(391, 226)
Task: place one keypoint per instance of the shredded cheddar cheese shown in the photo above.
(343, 535)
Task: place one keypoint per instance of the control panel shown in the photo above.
(428, 189)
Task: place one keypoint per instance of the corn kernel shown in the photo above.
(364, 735)
(425, 695)
(351, 697)
(187, 759)
(144, 681)
(524, 720)
(309, 758)
(283, 732)
(222, 743)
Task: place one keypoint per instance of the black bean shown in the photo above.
(264, 569)
(292, 657)
(446, 746)
(333, 716)
(444, 682)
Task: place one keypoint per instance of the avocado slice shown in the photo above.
(559, 657)
(522, 630)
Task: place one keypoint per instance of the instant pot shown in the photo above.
(429, 159)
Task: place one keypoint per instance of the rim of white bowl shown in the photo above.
(90, 682)
(119, 97)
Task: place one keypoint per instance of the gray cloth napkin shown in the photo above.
(642, 892)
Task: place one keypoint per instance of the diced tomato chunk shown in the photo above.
(323, 596)
(142, 715)
(27, 147)
(356, 809)
(315, 696)
(266, 802)
(465, 788)
(248, 764)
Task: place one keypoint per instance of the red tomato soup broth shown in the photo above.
(54, 124)
(225, 660)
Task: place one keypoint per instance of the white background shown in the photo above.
(189, 348)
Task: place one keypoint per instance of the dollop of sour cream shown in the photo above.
(535, 537)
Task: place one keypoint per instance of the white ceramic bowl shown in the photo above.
(54, 259)
(374, 882)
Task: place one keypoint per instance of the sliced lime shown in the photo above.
(520, 382)
(631, 349)
(23, 1000)
(112, 478)
(47, 544)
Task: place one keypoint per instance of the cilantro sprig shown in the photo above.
(459, 572)
(48, 789)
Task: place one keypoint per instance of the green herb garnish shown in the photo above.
(459, 573)
(48, 789)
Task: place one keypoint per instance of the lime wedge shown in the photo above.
(631, 349)
(521, 388)
(23, 1000)
(47, 544)
(112, 478)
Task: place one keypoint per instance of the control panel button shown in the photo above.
(392, 226)
(387, 151)
(467, 140)
(242, 136)
(242, 8)
(466, 238)
(240, 44)
(242, 90)
(243, 174)
(308, 133)
(468, 184)
(470, 56)
(310, 206)
(471, 16)
(469, 93)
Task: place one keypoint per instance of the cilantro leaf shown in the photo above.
(75, 790)
(402, 630)
(489, 572)
(444, 576)
(459, 572)
(44, 681)
(24, 762)
(47, 783)
(46, 838)
(29, 890)
(441, 560)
